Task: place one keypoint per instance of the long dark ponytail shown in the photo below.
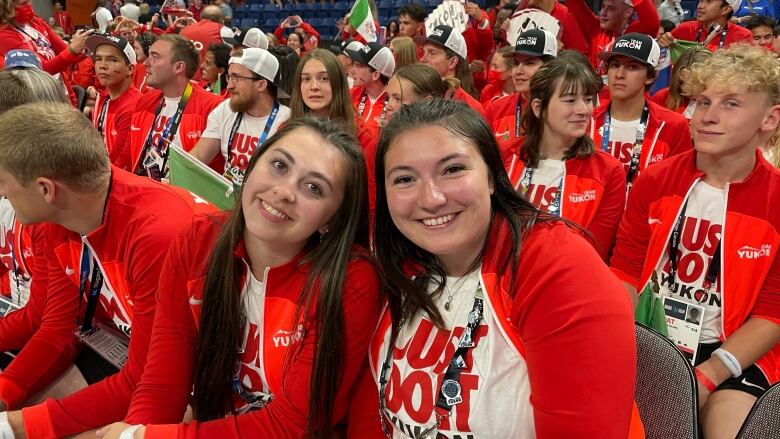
(219, 337)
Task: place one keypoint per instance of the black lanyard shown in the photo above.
(95, 285)
(674, 245)
(636, 152)
(525, 182)
(362, 106)
(237, 123)
(518, 114)
(723, 33)
(102, 115)
(450, 389)
(170, 128)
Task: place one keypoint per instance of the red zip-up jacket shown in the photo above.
(750, 271)
(310, 43)
(594, 195)
(573, 346)
(193, 122)
(734, 34)
(116, 126)
(165, 388)
(501, 115)
(141, 219)
(647, 22)
(461, 95)
(571, 34)
(667, 134)
(43, 328)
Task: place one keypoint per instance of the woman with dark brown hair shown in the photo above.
(271, 329)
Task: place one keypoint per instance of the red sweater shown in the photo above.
(667, 134)
(164, 391)
(578, 349)
(647, 22)
(749, 280)
(571, 34)
(372, 115)
(130, 247)
(501, 116)
(116, 124)
(461, 95)
(734, 34)
(42, 329)
(594, 194)
(193, 122)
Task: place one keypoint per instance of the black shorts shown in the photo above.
(93, 367)
(751, 381)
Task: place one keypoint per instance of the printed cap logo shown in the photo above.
(629, 44)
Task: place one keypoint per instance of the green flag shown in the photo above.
(650, 311)
(191, 174)
(681, 46)
(362, 21)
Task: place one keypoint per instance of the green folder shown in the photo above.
(681, 46)
(650, 311)
(191, 174)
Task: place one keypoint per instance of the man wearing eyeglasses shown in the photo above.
(238, 126)
(174, 113)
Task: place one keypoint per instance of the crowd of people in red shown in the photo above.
(435, 233)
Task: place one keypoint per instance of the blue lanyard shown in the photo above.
(525, 182)
(633, 167)
(95, 286)
(268, 124)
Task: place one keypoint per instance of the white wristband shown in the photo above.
(128, 432)
(729, 360)
(6, 432)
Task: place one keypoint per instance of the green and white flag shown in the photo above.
(362, 21)
(189, 173)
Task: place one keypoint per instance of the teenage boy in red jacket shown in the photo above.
(711, 27)
(107, 232)
(633, 129)
(706, 224)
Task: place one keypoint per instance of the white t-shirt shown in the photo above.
(130, 11)
(622, 136)
(546, 178)
(219, 125)
(495, 387)
(102, 17)
(19, 280)
(701, 232)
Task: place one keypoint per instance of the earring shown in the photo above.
(323, 233)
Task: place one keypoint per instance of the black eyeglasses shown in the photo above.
(234, 78)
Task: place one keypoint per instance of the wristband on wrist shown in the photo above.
(700, 377)
(6, 432)
(129, 432)
(729, 360)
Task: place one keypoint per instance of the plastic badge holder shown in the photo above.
(109, 343)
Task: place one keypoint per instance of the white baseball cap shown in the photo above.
(264, 64)
(253, 37)
(446, 36)
(228, 36)
(376, 56)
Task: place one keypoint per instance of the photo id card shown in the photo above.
(684, 321)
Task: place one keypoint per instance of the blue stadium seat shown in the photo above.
(242, 7)
(255, 9)
(269, 25)
(341, 6)
(249, 22)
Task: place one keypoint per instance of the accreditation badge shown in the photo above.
(108, 342)
(7, 306)
(684, 322)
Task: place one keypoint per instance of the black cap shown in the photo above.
(639, 47)
(536, 42)
(448, 37)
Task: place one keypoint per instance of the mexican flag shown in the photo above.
(362, 21)
(189, 173)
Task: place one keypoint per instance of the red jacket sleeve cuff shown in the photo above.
(10, 393)
(37, 421)
(625, 278)
(161, 431)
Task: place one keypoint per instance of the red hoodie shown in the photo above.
(734, 34)
(594, 194)
(565, 349)
(750, 271)
(667, 134)
(165, 388)
(130, 246)
(647, 22)
(116, 123)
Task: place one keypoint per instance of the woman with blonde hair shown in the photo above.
(673, 97)
(416, 82)
(405, 51)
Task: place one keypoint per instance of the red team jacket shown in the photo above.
(750, 271)
(500, 115)
(667, 134)
(560, 337)
(164, 391)
(687, 30)
(193, 122)
(42, 329)
(594, 194)
(141, 219)
(116, 126)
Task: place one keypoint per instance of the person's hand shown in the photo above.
(114, 430)
(666, 40)
(505, 26)
(183, 22)
(473, 10)
(78, 42)
(477, 66)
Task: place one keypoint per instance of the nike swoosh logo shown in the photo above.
(745, 382)
(194, 301)
(653, 221)
(132, 128)
(69, 271)
(502, 134)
